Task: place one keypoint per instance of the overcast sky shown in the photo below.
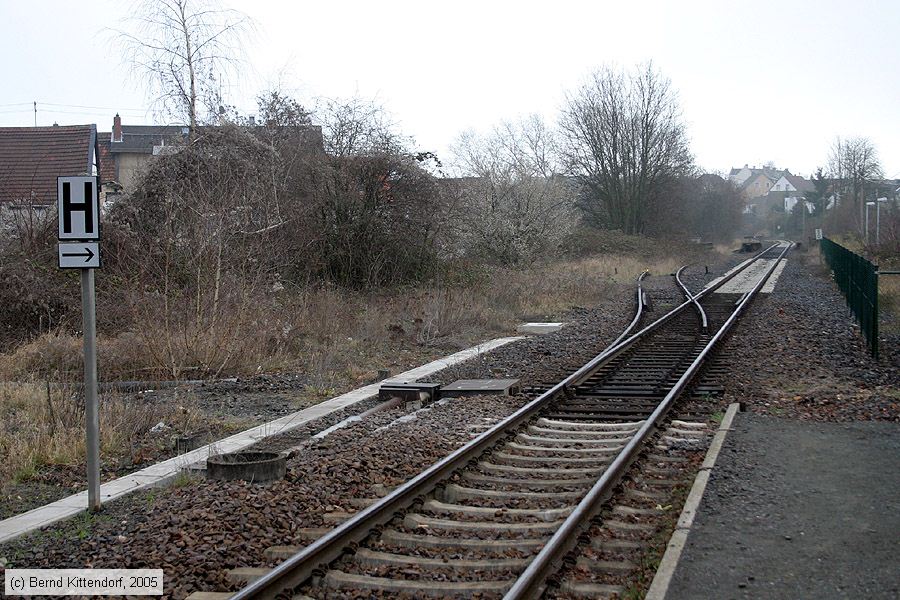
(770, 80)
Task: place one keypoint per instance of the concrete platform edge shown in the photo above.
(163, 472)
(659, 587)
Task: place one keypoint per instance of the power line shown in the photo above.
(68, 112)
(40, 103)
(142, 110)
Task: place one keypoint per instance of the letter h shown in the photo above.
(87, 207)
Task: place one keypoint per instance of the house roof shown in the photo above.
(107, 162)
(800, 184)
(142, 138)
(31, 158)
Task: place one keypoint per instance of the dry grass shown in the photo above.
(889, 302)
(329, 333)
(43, 425)
(336, 338)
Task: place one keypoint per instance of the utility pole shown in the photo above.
(878, 203)
(868, 204)
(35, 113)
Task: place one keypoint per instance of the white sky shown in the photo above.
(758, 81)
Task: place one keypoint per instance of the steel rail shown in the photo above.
(300, 567)
(691, 296)
(639, 310)
(531, 582)
(604, 357)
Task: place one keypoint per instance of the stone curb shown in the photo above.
(660, 585)
(165, 471)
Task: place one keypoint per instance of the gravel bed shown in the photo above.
(798, 353)
(196, 530)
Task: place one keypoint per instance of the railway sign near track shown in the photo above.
(78, 213)
(78, 208)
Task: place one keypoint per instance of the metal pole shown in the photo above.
(877, 222)
(91, 409)
(867, 223)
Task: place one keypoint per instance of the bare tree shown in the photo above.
(626, 141)
(854, 165)
(517, 206)
(187, 48)
(358, 126)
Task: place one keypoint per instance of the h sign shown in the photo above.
(78, 206)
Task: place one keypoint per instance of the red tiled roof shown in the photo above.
(107, 162)
(31, 158)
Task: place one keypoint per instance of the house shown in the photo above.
(757, 185)
(31, 158)
(131, 147)
(739, 176)
(793, 183)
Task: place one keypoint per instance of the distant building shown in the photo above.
(131, 148)
(757, 182)
(793, 183)
(31, 158)
(757, 185)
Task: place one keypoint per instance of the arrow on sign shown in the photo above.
(87, 254)
(79, 255)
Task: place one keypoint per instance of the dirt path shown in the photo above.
(798, 510)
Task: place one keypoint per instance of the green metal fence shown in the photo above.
(858, 280)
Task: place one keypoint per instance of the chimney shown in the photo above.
(117, 128)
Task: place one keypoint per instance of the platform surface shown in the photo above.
(797, 510)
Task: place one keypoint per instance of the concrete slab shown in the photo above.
(744, 282)
(539, 328)
(480, 387)
(162, 472)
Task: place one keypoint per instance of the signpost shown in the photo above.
(78, 207)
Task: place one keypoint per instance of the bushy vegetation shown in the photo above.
(217, 260)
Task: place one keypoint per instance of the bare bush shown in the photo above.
(202, 219)
(515, 207)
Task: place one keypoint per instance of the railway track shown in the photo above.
(501, 515)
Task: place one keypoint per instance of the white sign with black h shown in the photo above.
(78, 207)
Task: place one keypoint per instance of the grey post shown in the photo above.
(91, 408)
(868, 204)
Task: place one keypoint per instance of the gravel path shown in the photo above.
(797, 510)
(798, 353)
